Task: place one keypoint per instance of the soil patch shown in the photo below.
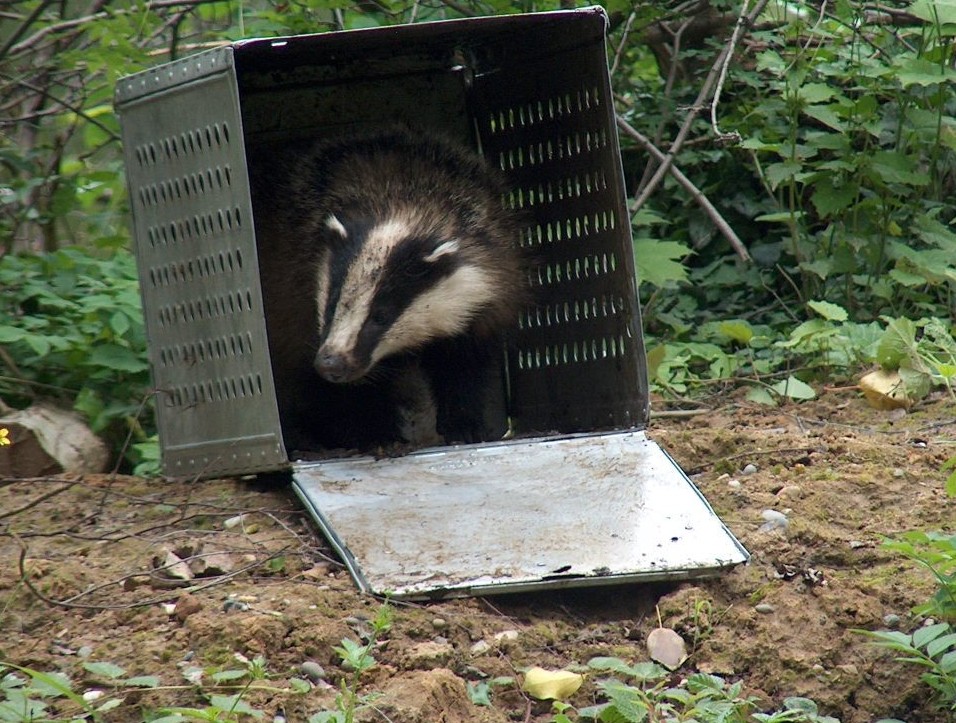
(81, 580)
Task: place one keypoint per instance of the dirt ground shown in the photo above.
(78, 580)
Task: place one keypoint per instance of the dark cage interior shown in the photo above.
(530, 93)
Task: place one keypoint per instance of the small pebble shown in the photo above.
(765, 608)
(186, 605)
(84, 651)
(234, 521)
(898, 473)
(193, 675)
(430, 654)
(773, 520)
(856, 544)
(791, 492)
(480, 648)
(734, 484)
(439, 623)
(234, 606)
(891, 620)
(506, 636)
(91, 695)
(750, 468)
(312, 670)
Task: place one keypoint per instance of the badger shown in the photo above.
(390, 269)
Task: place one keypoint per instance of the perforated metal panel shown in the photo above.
(578, 358)
(199, 276)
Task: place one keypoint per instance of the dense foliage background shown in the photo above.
(791, 166)
(801, 227)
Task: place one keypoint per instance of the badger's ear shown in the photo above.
(333, 224)
(442, 249)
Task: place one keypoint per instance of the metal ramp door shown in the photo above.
(574, 511)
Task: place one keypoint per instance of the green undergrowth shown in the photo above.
(71, 326)
(931, 647)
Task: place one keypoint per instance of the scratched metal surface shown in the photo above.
(577, 511)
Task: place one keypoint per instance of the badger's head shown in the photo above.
(393, 286)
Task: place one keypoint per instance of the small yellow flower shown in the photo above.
(5, 437)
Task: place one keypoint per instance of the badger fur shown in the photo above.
(386, 258)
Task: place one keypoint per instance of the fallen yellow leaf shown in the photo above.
(551, 684)
(885, 390)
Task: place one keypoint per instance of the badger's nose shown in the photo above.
(334, 367)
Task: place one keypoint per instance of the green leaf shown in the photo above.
(806, 705)
(659, 262)
(737, 329)
(828, 115)
(793, 388)
(11, 334)
(119, 323)
(898, 343)
(760, 395)
(627, 702)
(777, 173)
(479, 693)
(234, 704)
(921, 71)
(119, 358)
(780, 217)
(109, 705)
(104, 670)
(40, 344)
(937, 12)
(941, 644)
(892, 167)
(830, 199)
(755, 144)
(223, 676)
(142, 681)
(830, 312)
(299, 685)
(815, 92)
(923, 636)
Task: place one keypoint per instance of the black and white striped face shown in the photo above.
(391, 287)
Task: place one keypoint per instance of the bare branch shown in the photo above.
(705, 92)
(712, 213)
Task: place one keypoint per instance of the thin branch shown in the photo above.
(622, 46)
(712, 213)
(68, 105)
(27, 22)
(66, 25)
(704, 93)
(25, 578)
(733, 137)
(34, 502)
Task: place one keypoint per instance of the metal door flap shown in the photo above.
(575, 511)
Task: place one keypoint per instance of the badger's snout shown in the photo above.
(337, 367)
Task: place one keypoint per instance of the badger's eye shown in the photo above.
(379, 317)
(415, 270)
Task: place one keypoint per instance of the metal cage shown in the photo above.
(583, 497)
(531, 92)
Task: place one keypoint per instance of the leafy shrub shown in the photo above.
(71, 325)
(932, 647)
